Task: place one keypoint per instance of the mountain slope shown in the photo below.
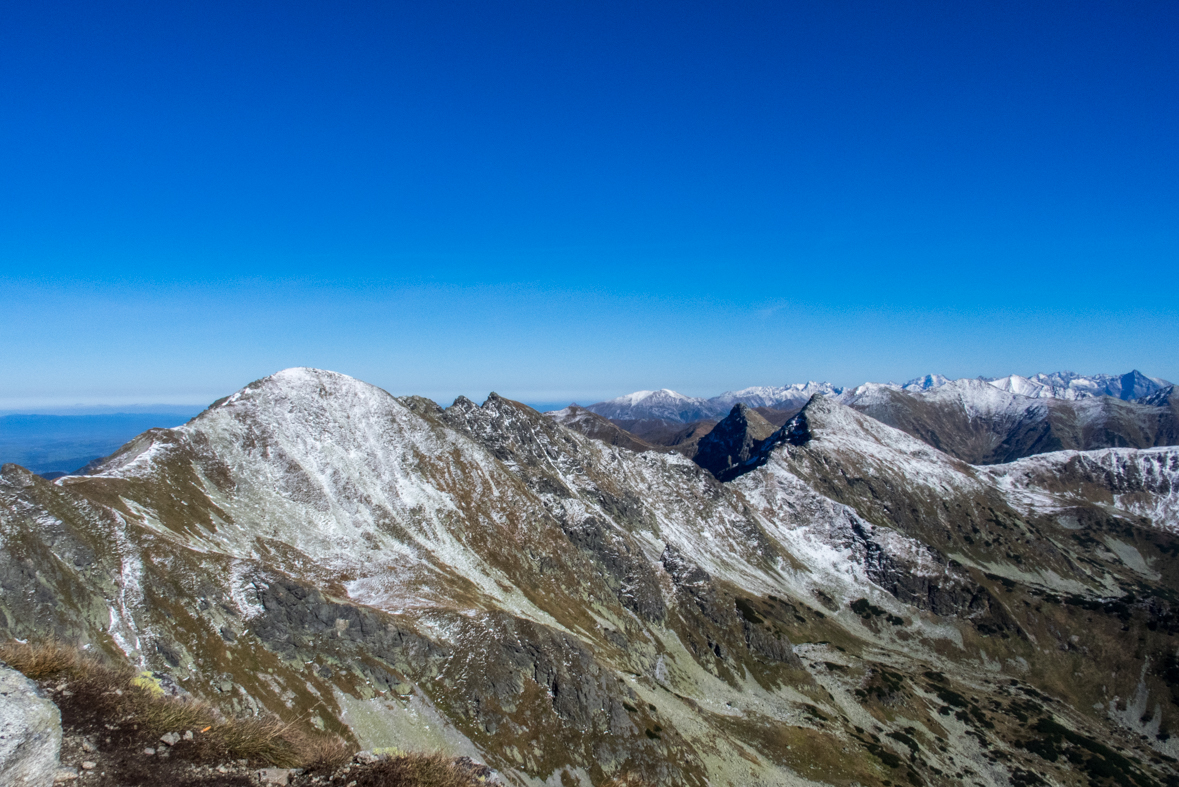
(853, 607)
(593, 425)
(981, 423)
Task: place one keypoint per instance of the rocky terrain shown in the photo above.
(30, 732)
(89, 723)
(836, 602)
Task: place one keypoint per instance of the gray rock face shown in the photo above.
(30, 733)
(733, 440)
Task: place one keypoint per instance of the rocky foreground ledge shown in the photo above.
(30, 732)
(83, 723)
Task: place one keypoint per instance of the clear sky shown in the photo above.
(572, 200)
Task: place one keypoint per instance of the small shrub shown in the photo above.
(48, 660)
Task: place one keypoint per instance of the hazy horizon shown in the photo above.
(196, 404)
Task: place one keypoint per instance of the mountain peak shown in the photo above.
(732, 441)
(664, 404)
(926, 382)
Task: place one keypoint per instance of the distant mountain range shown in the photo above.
(976, 420)
(668, 405)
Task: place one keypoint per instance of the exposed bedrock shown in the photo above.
(30, 733)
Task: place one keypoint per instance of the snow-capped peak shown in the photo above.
(779, 397)
(664, 404)
(926, 382)
(1068, 385)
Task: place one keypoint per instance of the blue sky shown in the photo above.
(568, 201)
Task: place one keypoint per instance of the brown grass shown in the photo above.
(45, 660)
(413, 770)
(105, 693)
(324, 752)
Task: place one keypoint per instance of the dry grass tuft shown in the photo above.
(416, 770)
(106, 693)
(49, 659)
(325, 752)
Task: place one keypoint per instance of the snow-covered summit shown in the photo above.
(926, 382)
(1058, 385)
(778, 397)
(664, 404)
(868, 393)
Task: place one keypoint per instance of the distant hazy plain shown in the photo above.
(65, 443)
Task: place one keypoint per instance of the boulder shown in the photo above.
(30, 733)
(275, 776)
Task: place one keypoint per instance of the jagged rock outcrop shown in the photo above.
(30, 733)
(732, 441)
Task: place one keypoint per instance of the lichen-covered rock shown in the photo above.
(30, 733)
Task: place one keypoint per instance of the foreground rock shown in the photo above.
(30, 733)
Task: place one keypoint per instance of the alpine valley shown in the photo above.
(944, 582)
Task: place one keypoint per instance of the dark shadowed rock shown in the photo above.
(732, 441)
